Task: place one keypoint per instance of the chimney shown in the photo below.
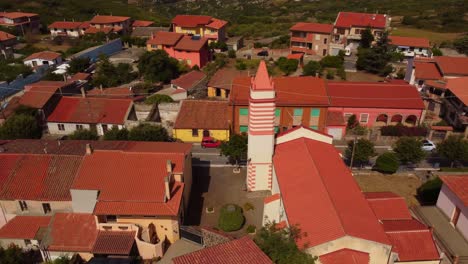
(169, 166)
(83, 94)
(89, 149)
(167, 188)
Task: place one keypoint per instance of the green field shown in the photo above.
(434, 37)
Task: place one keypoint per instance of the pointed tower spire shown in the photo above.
(262, 80)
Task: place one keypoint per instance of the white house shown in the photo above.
(453, 201)
(65, 29)
(43, 58)
(410, 46)
(99, 114)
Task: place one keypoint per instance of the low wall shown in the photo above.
(9, 89)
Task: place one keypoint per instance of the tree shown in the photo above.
(159, 98)
(280, 244)
(461, 44)
(366, 38)
(436, 52)
(78, 65)
(387, 163)
(231, 218)
(363, 150)
(332, 61)
(232, 54)
(16, 255)
(109, 75)
(20, 126)
(454, 148)
(50, 76)
(330, 74)
(311, 68)
(157, 66)
(287, 66)
(147, 132)
(375, 59)
(409, 149)
(116, 134)
(235, 149)
(429, 191)
(352, 122)
(84, 134)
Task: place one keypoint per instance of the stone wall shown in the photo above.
(213, 237)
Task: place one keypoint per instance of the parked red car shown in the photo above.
(209, 142)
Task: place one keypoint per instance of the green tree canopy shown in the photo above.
(287, 66)
(9, 72)
(50, 76)
(280, 244)
(109, 75)
(409, 149)
(20, 126)
(157, 66)
(84, 134)
(363, 151)
(454, 148)
(311, 68)
(332, 61)
(375, 59)
(235, 149)
(15, 255)
(461, 44)
(366, 38)
(159, 98)
(147, 132)
(78, 65)
(387, 163)
(116, 134)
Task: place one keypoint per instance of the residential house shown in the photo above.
(198, 119)
(242, 250)
(20, 21)
(111, 92)
(220, 84)
(142, 23)
(193, 50)
(187, 83)
(300, 101)
(437, 68)
(7, 41)
(455, 103)
(107, 24)
(235, 43)
(65, 29)
(348, 27)
(100, 114)
(411, 46)
(310, 38)
(24, 231)
(203, 26)
(377, 104)
(43, 58)
(146, 32)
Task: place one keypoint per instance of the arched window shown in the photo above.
(411, 119)
(382, 118)
(396, 119)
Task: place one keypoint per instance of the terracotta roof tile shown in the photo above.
(111, 92)
(388, 206)
(80, 76)
(191, 20)
(224, 77)
(65, 25)
(90, 110)
(142, 23)
(459, 87)
(23, 227)
(374, 95)
(414, 245)
(45, 55)
(458, 185)
(426, 71)
(239, 251)
(165, 38)
(452, 65)
(108, 19)
(4, 36)
(217, 23)
(313, 27)
(403, 225)
(37, 96)
(350, 19)
(189, 80)
(410, 41)
(93, 30)
(190, 43)
(203, 115)
(345, 255)
(114, 242)
(14, 15)
(271, 198)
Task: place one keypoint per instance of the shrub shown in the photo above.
(436, 52)
(116, 134)
(84, 134)
(251, 229)
(341, 73)
(231, 218)
(159, 98)
(311, 68)
(400, 131)
(330, 74)
(352, 122)
(147, 132)
(387, 163)
(358, 130)
(232, 54)
(409, 149)
(429, 191)
(331, 62)
(240, 65)
(287, 66)
(248, 206)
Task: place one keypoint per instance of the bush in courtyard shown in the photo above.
(429, 191)
(232, 54)
(159, 98)
(330, 74)
(387, 163)
(84, 134)
(231, 218)
(332, 62)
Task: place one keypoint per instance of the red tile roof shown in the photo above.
(14, 15)
(374, 95)
(93, 30)
(90, 110)
(72, 232)
(114, 242)
(345, 255)
(313, 27)
(23, 227)
(108, 19)
(142, 23)
(80, 76)
(403, 225)
(458, 185)
(224, 77)
(452, 65)
(191, 20)
(4, 36)
(388, 206)
(85, 25)
(410, 41)
(217, 23)
(295, 56)
(189, 80)
(289, 91)
(190, 43)
(271, 198)
(45, 55)
(65, 25)
(203, 114)
(350, 19)
(426, 71)
(414, 245)
(165, 38)
(459, 87)
(111, 92)
(239, 251)
(38, 177)
(340, 210)
(37, 95)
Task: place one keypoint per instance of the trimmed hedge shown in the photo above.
(387, 163)
(429, 191)
(401, 131)
(231, 218)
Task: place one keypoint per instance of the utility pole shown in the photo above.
(352, 154)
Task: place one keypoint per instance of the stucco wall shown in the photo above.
(4, 243)
(40, 62)
(75, 33)
(271, 212)
(302, 132)
(13, 208)
(446, 202)
(165, 227)
(53, 255)
(84, 201)
(71, 127)
(375, 112)
(186, 135)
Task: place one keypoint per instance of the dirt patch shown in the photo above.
(361, 76)
(434, 37)
(404, 185)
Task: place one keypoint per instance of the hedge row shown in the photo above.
(400, 131)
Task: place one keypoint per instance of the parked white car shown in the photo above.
(428, 145)
(348, 51)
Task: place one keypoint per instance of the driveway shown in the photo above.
(350, 63)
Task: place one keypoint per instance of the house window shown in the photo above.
(317, 37)
(194, 132)
(420, 82)
(243, 129)
(104, 128)
(347, 116)
(23, 205)
(315, 112)
(27, 242)
(340, 31)
(298, 112)
(79, 127)
(363, 118)
(324, 52)
(61, 127)
(325, 41)
(314, 127)
(358, 31)
(276, 129)
(244, 111)
(46, 207)
(277, 112)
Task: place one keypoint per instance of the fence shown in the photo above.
(9, 89)
(93, 53)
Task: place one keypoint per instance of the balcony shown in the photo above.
(303, 50)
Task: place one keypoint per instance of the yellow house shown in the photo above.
(205, 26)
(220, 83)
(202, 118)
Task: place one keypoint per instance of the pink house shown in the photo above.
(453, 201)
(377, 104)
(192, 50)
